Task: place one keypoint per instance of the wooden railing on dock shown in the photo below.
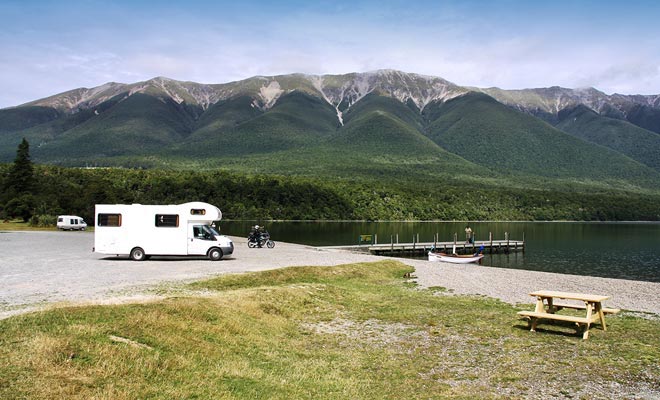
(420, 248)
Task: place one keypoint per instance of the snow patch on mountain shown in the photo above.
(269, 94)
(362, 86)
(421, 90)
(317, 82)
(83, 98)
(163, 84)
(137, 89)
(204, 95)
(554, 99)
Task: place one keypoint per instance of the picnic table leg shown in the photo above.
(533, 323)
(539, 304)
(601, 315)
(551, 307)
(585, 335)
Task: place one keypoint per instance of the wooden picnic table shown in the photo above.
(546, 309)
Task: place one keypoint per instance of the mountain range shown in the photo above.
(384, 124)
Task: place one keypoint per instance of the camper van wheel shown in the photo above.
(137, 254)
(215, 254)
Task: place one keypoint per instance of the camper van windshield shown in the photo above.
(209, 229)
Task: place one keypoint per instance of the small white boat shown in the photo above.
(455, 258)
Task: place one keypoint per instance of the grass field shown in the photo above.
(19, 225)
(358, 331)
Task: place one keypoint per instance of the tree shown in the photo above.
(21, 175)
(19, 184)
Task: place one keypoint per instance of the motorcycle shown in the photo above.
(259, 240)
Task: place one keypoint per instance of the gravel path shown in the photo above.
(43, 268)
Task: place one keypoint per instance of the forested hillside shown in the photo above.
(637, 143)
(58, 190)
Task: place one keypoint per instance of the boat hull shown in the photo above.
(455, 259)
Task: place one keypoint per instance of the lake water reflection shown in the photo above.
(614, 250)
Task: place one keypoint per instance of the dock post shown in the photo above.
(435, 240)
(397, 238)
(413, 243)
(523, 243)
(490, 237)
(375, 238)
(506, 236)
(392, 243)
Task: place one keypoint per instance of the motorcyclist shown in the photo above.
(256, 234)
(258, 237)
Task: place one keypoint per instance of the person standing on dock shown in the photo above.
(468, 234)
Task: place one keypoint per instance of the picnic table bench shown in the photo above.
(546, 309)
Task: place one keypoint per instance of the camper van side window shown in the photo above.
(197, 211)
(109, 220)
(167, 220)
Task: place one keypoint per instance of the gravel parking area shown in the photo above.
(43, 268)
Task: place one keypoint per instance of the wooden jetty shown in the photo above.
(421, 248)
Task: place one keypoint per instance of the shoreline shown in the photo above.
(514, 285)
(63, 271)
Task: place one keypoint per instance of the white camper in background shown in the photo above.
(66, 222)
(140, 231)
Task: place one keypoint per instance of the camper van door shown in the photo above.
(199, 239)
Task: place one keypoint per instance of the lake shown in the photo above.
(607, 249)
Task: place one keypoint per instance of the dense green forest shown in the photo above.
(57, 190)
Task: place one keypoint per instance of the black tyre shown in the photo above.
(215, 254)
(137, 254)
(270, 244)
(252, 244)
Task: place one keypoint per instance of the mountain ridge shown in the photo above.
(344, 90)
(381, 123)
(352, 86)
(340, 91)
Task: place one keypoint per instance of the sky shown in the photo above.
(48, 46)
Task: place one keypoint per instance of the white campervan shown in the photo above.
(66, 222)
(140, 231)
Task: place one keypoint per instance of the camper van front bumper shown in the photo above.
(227, 250)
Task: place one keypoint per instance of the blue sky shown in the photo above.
(47, 47)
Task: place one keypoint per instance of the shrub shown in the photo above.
(21, 206)
(43, 220)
